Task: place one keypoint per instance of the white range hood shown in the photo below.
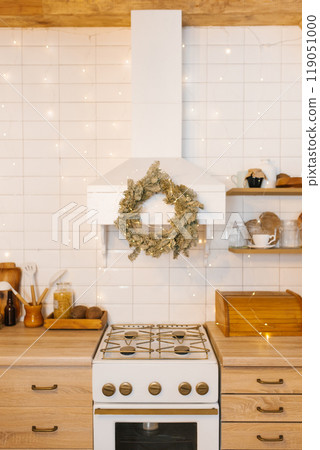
(156, 124)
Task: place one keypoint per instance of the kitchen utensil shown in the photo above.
(285, 181)
(270, 172)
(258, 246)
(289, 234)
(5, 286)
(239, 179)
(236, 238)
(75, 324)
(263, 240)
(30, 269)
(270, 224)
(33, 317)
(9, 272)
(51, 282)
(269, 312)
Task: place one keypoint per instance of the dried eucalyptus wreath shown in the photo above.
(183, 230)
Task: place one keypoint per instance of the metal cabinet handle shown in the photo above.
(44, 388)
(270, 411)
(278, 439)
(280, 381)
(44, 430)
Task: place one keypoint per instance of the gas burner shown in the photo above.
(181, 349)
(131, 334)
(179, 334)
(127, 350)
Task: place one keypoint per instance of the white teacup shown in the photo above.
(263, 240)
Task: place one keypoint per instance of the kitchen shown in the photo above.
(66, 121)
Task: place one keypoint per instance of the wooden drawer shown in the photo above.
(243, 436)
(257, 408)
(73, 386)
(74, 428)
(260, 380)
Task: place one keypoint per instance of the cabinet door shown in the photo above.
(260, 380)
(261, 408)
(46, 386)
(257, 436)
(61, 428)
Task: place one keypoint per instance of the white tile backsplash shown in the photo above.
(79, 80)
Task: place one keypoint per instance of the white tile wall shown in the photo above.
(65, 118)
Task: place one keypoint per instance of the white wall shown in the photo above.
(79, 81)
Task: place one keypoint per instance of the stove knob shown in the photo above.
(125, 388)
(184, 388)
(154, 388)
(108, 389)
(202, 388)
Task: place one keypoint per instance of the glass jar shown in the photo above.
(289, 234)
(236, 238)
(63, 300)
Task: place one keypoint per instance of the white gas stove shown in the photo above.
(155, 386)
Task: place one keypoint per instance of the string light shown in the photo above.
(261, 79)
(7, 254)
(47, 46)
(83, 70)
(220, 78)
(2, 106)
(14, 42)
(183, 46)
(228, 51)
(4, 134)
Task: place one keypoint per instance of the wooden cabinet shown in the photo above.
(260, 402)
(46, 388)
(46, 407)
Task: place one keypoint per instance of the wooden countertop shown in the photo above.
(38, 346)
(255, 351)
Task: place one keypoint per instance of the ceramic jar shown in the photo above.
(33, 317)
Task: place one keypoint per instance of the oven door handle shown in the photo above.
(156, 412)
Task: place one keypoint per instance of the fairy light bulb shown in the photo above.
(83, 70)
(228, 51)
(7, 254)
(14, 42)
(220, 78)
(47, 46)
(2, 106)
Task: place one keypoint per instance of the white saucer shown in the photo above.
(256, 246)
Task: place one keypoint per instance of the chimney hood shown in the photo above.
(156, 124)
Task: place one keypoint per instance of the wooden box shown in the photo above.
(75, 324)
(270, 313)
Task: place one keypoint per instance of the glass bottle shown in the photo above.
(10, 311)
(63, 300)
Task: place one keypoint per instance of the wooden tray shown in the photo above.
(75, 324)
(247, 313)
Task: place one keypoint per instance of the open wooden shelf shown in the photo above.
(264, 191)
(265, 250)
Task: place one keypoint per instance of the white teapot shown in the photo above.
(270, 172)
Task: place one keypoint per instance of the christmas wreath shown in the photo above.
(183, 229)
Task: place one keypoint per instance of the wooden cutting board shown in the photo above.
(9, 272)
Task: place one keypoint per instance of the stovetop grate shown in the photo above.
(162, 341)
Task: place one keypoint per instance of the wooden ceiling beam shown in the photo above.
(116, 13)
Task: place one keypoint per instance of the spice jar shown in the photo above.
(289, 234)
(63, 300)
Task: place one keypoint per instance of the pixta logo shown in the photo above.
(66, 225)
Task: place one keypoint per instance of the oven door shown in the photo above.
(156, 429)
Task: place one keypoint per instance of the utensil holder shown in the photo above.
(33, 317)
